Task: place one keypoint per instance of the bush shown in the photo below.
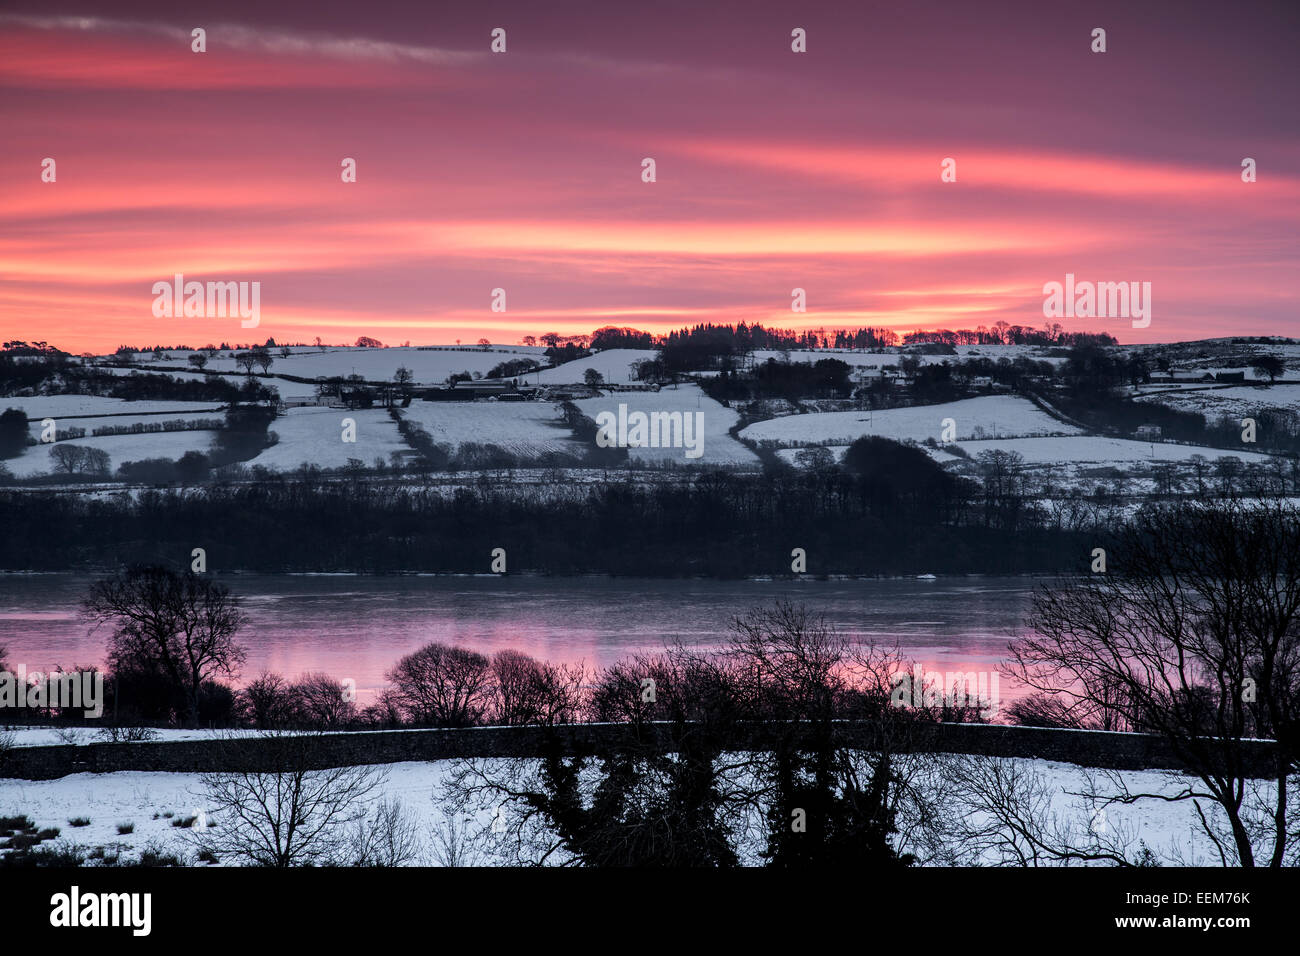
(13, 432)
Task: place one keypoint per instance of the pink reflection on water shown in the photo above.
(358, 627)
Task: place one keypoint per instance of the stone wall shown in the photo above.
(318, 751)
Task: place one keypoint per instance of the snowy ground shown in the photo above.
(890, 357)
(430, 366)
(314, 435)
(719, 448)
(150, 803)
(994, 421)
(85, 411)
(1096, 450)
(1233, 401)
(522, 428)
(90, 424)
(68, 409)
(289, 390)
(614, 365)
(988, 416)
(172, 445)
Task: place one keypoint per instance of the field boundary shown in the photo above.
(1099, 749)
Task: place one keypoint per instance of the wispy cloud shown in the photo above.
(257, 40)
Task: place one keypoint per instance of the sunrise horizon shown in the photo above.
(434, 181)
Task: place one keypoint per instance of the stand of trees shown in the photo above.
(908, 515)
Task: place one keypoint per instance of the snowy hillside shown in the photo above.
(987, 416)
(522, 428)
(314, 436)
(719, 448)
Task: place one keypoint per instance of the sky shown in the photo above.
(523, 170)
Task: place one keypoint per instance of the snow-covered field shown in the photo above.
(150, 803)
(74, 406)
(988, 416)
(85, 411)
(214, 414)
(522, 428)
(881, 358)
(36, 459)
(614, 365)
(429, 366)
(314, 435)
(1232, 401)
(1095, 450)
(719, 448)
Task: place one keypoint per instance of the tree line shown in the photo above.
(889, 509)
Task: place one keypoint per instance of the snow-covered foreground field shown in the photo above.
(718, 448)
(989, 416)
(149, 803)
(522, 428)
(314, 435)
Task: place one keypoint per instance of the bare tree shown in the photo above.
(268, 702)
(388, 837)
(183, 625)
(457, 842)
(1194, 636)
(67, 458)
(290, 815)
(323, 702)
(442, 686)
(528, 691)
(1002, 813)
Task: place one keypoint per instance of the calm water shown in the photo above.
(357, 627)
